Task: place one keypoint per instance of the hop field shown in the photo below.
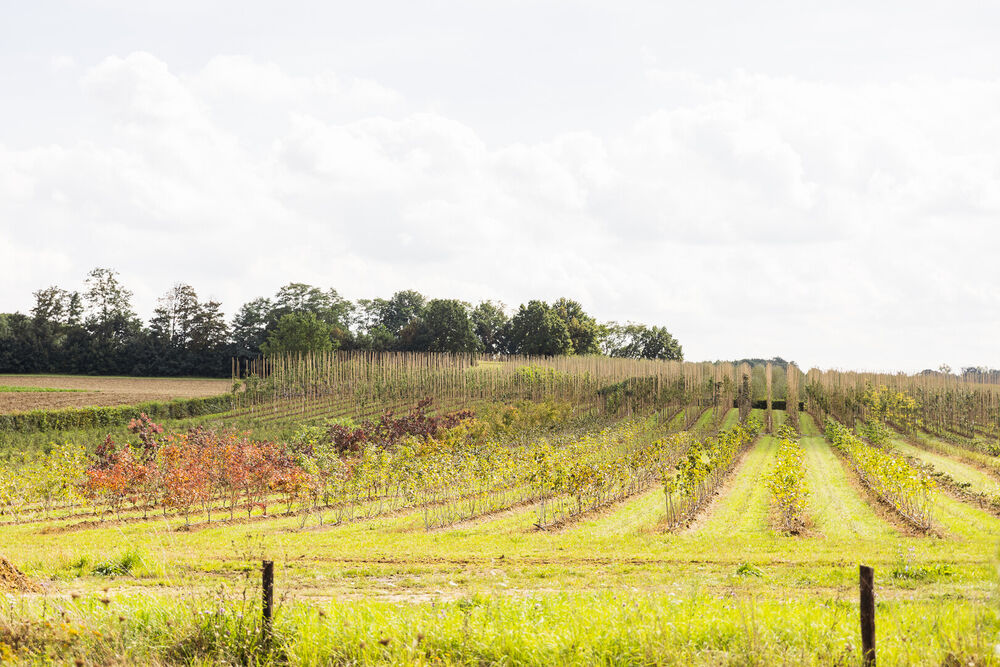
(531, 530)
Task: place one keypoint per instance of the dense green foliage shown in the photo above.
(688, 484)
(104, 416)
(906, 489)
(537, 329)
(787, 483)
(298, 333)
(638, 341)
(444, 325)
(99, 332)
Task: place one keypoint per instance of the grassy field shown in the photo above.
(978, 480)
(612, 586)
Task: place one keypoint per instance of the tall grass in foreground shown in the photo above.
(579, 629)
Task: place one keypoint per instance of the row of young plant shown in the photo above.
(693, 478)
(601, 469)
(964, 490)
(963, 409)
(787, 483)
(908, 490)
(457, 475)
(454, 463)
(42, 483)
(201, 469)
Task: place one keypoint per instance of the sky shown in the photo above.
(816, 181)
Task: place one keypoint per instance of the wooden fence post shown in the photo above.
(267, 586)
(867, 586)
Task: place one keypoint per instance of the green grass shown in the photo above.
(9, 389)
(744, 509)
(730, 420)
(837, 510)
(930, 443)
(978, 481)
(609, 588)
(617, 629)
(704, 422)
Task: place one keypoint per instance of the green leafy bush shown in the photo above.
(71, 419)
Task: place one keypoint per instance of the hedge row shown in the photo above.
(71, 419)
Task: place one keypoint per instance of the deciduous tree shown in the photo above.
(538, 329)
(298, 332)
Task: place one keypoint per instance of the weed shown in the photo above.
(121, 565)
(748, 570)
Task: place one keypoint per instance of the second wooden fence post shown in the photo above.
(867, 586)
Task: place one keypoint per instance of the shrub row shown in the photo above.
(787, 482)
(696, 476)
(71, 419)
(906, 489)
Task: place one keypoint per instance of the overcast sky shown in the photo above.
(819, 181)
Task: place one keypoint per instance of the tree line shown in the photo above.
(97, 330)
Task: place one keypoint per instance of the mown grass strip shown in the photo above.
(963, 482)
(9, 389)
(985, 462)
(837, 510)
(743, 507)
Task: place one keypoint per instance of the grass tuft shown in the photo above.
(118, 566)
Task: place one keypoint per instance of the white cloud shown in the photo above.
(141, 89)
(832, 223)
(262, 83)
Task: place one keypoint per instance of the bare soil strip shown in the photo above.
(101, 391)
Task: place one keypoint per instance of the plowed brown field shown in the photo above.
(100, 391)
